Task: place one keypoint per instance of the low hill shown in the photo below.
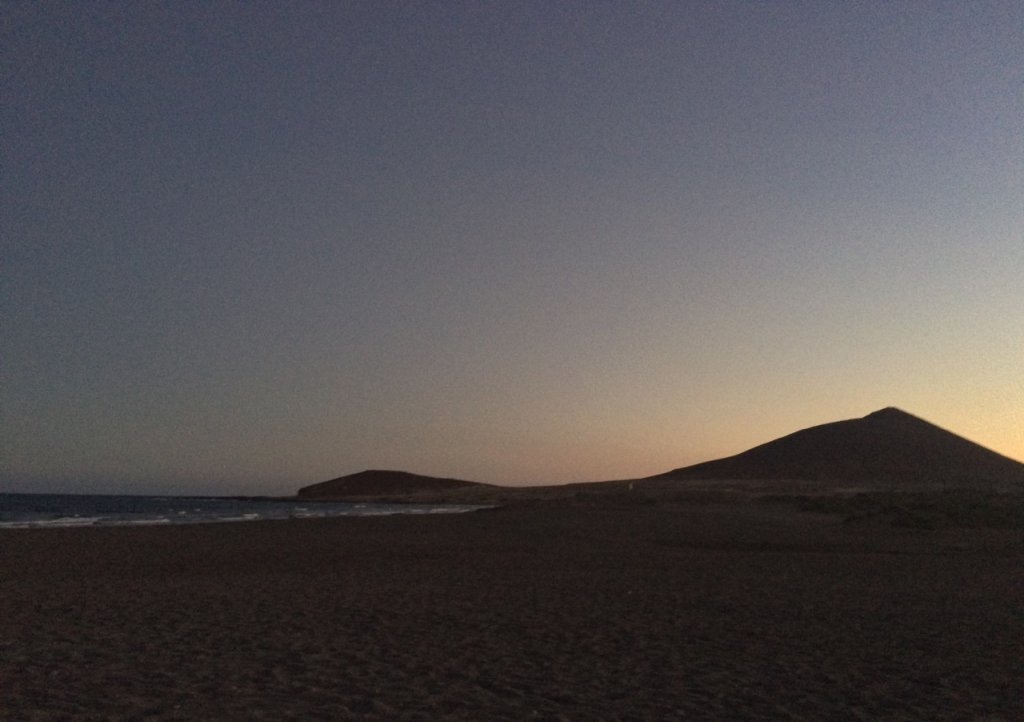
(377, 483)
(889, 446)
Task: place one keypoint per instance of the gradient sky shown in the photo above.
(252, 246)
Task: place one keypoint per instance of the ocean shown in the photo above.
(21, 511)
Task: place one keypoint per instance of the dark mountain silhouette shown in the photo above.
(888, 446)
(379, 483)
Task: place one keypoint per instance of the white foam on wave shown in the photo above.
(132, 513)
(60, 521)
(240, 517)
(138, 522)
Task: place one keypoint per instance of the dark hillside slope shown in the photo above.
(381, 483)
(886, 446)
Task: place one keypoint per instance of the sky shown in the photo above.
(252, 246)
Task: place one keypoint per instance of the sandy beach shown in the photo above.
(556, 611)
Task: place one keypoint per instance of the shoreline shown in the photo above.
(21, 511)
(544, 611)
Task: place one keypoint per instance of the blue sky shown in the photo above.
(252, 246)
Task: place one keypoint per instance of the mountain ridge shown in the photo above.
(888, 445)
(376, 482)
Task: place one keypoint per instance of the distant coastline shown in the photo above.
(888, 449)
(34, 511)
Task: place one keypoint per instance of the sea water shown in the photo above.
(19, 511)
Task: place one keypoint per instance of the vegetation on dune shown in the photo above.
(964, 508)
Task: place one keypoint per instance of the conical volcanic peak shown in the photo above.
(891, 413)
(889, 445)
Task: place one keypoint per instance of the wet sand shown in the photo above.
(544, 611)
